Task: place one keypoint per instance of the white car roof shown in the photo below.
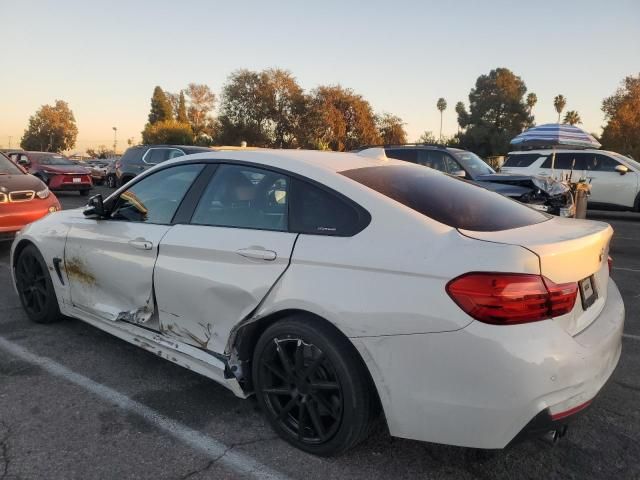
(547, 151)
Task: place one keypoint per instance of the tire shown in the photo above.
(35, 288)
(637, 204)
(84, 193)
(304, 372)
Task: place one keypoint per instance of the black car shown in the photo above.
(539, 192)
(142, 157)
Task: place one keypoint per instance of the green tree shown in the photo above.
(532, 99)
(427, 137)
(463, 116)
(497, 113)
(391, 129)
(52, 129)
(622, 113)
(572, 117)
(201, 103)
(167, 132)
(181, 115)
(161, 109)
(442, 106)
(559, 102)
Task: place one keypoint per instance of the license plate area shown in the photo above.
(76, 180)
(588, 292)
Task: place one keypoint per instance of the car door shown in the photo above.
(215, 269)
(608, 185)
(109, 262)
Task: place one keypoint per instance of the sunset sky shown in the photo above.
(104, 58)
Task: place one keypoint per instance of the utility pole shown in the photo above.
(115, 139)
(10, 141)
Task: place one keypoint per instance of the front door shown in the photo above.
(109, 262)
(216, 270)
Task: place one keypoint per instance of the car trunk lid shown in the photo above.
(569, 251)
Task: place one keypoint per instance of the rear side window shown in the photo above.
(521, 160)
(446, 199)
(406, 154)
(159, 155)
(566, 161)
(316, 211)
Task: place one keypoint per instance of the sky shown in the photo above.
(104, 58)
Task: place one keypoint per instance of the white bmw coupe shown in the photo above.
(334, 285)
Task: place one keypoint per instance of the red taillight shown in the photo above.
(610, 263)
(511, 298)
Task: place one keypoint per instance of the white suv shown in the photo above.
(615, 179)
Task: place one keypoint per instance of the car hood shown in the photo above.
(65, 169)
(15, 183)
(526, 183)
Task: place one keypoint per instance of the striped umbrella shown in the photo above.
(552, 134)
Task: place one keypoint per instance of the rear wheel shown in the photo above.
(312, 386)
(35, 288)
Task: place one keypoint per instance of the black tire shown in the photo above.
(84, 193)
(35, 288)
(637, 203)
(324, 387)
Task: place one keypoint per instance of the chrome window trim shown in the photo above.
(159, 148)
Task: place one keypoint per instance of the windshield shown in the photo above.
(473, 163)
(630, 161)
(53, 160)
(7, 167)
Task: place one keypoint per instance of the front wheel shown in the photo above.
(35, 288)
(312, 386)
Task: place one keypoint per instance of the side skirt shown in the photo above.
(186, 356)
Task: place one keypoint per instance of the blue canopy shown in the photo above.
(552, 134)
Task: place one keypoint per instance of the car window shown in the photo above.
(406, 154)
(472, 163)
(446, 199)
(7, 167)
(521, 160)
(244, 197)
(317, 211)
(602, 163)
(159, 155)
(155, 198)
(438, 160)
(51, 159)
(566, 161)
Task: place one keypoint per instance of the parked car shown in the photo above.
(541, 193)
(23, 199)
(142, 157)
(98, 168)
(329, 284)
(55, 170)
(614, 178)
(110, 179)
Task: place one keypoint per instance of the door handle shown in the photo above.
(141, 244)
(257, 253)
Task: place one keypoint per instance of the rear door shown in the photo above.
(607, 185)
(215, 269)
(109, 262)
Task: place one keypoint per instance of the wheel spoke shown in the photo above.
(302, 421)
(314, 366)
(299, 357)
(316, 420)
(287, 408)
(277, 391)
(286, 364)
(325, 385)
(277, 372)
(327, 406)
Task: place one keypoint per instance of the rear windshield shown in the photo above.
(449, 200)
(521, 160)
(51, 159)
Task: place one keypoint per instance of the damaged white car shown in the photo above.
(335, 286)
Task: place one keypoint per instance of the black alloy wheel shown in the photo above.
(312, 386)
(34, 286)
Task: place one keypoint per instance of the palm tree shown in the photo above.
(442, 106)
(572, 117)
(532, 99)
(559, 102)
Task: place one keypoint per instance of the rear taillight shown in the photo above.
(610, 263)
(511, 298)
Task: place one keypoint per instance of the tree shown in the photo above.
(181, 115)
(463, 116)
(161, 109)
(101, 152)
(497, 113)
(427, 137)
(622, 113)
(559, 102)
(167, 132)
(391, 129)
(339, 119)
(201, 103)
(572, 117)
(52, 129)
(532, 99)
(442, 106)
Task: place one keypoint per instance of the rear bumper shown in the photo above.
(483, 385)
(65, 182)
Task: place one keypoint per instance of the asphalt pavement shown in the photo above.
(78, 403)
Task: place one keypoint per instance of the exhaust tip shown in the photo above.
(552, 437)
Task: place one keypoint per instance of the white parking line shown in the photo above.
(632, 337)
(214, 449)
(627, 269)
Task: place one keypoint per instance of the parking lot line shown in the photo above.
(627, 269)
(212, 448)
(632, 337)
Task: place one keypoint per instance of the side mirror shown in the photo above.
(459, 173)
(622, 169)
(95, 207)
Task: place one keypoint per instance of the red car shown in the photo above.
(56, 170)
(23, 199)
